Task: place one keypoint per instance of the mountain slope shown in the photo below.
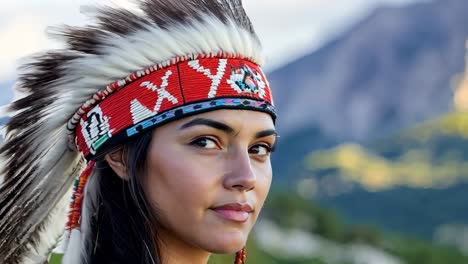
(414, 181)
(391, 70)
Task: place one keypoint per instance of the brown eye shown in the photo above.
(205, 142)
(260, 149)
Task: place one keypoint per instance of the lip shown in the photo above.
(237, 212)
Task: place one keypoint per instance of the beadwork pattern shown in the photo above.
(150, 98)
(74, 215)
(224, 103)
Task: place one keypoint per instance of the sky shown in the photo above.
(288, 29)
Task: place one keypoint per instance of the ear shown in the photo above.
(115, 160)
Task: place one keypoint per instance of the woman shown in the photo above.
(160, 122)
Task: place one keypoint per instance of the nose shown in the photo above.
(240, 175)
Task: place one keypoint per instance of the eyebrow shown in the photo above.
(223, 127)
(266, 133)
(210, 123)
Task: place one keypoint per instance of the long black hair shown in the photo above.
(122, 223)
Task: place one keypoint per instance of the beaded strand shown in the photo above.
(240, 257)
(76, 204)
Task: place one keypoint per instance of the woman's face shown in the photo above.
(208, 176)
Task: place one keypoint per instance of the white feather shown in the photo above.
(55, 225)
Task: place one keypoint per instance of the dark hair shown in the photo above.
(122, 222)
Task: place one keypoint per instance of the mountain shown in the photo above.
(390, 70)
(370, 86)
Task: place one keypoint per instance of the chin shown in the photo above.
(227, 243)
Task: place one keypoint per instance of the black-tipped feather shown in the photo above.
(166, 13)
(120, 21)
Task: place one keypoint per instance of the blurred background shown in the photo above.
(372, 163)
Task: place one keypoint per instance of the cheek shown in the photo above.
(180, 184)
(264, 178)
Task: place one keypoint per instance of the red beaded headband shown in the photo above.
(158, 95)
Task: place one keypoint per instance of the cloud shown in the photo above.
(20, 37)
(23, 26)
(288, 29)
(293, 28)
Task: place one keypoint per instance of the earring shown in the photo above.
(240, 256)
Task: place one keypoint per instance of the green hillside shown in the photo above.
(335, 242)
(433, 154)
(412, 182)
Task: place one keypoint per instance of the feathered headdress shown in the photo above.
(128, 72)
